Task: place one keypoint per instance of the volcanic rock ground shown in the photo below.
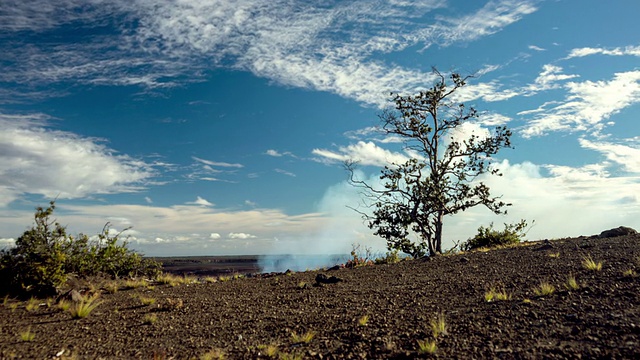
(240, 318)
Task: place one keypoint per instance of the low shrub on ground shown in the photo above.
(489, 237)
(45, 255)
(391, 257)
(359, 259)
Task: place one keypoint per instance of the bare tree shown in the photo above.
(417, 195)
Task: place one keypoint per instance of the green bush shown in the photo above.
(489, 237)
(44, 255)
(391, 257)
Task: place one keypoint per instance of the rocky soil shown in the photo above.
(375, 312)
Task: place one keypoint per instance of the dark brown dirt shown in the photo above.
(240, 317)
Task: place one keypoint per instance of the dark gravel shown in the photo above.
(241, 317)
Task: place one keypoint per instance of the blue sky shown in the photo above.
(219, 127)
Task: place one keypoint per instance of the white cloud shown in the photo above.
(57, 164)
(284, 172)
(549, 77)
(587, 105)
(618, 51)
(216, 163)
(275, 153)
(536, 48)
(241, 236)
(148, 200)
(365, 153)
(200, 201)
(214, 236)
(626, 156)
(294, 44)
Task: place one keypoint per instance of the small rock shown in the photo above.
(324, 279)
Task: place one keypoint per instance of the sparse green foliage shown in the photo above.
(629, 273)
(417, 195)
(32, 304)
(544, 289)
(213, 354)
(391, 257)
(589, 264)
(64, 305)
(572, 284)
(150, 319)
(427, 346)
(554, 255)
(496, 295)
(45, 254)
(27, 335)
(438, 325)
(82, 309)
(488, 237)
(364, 320)
(269, 350)
(358, 258)
(304, 338)
(146, 301)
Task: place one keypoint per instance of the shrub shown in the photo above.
(391, 257)
(44, 255)
(357, 258)
(489, 237)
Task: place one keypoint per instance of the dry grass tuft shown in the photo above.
(544, 289)
(589, 264)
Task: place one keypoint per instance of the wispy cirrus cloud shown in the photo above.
(153, 44)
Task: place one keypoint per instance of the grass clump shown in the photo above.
(427, 346)
(169, 279)
(149, 319)
(554, 255)
(64, 305)
(572, 284)
(630, 273)
(544, 289)
(269, 350)
(589, 264)
(304, 338)
(364, 320)
(213, 354)
(438, 325)
(82, 309)
(496, 295)
(27, 335)
(146, 301)
(32, 305)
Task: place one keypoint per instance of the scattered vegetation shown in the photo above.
(427, 346)
(554, 255)
(589, 264)
(213, 354)
(146, 301)
(32, 304)
(210, 279)
(150, 319)
(571, 283)
(544, 289)
(173, 304)
(496, 295)
(64, 305)
(45, 255)
(629, 273)
(304, 338)
(27, 335)
(269, 350)
(488, 237)
(358, 258)
(438, 325)
(364, 320)
(82, 309)
(391, 257)
(112, 287)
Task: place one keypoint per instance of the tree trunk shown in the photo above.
(438, 235)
